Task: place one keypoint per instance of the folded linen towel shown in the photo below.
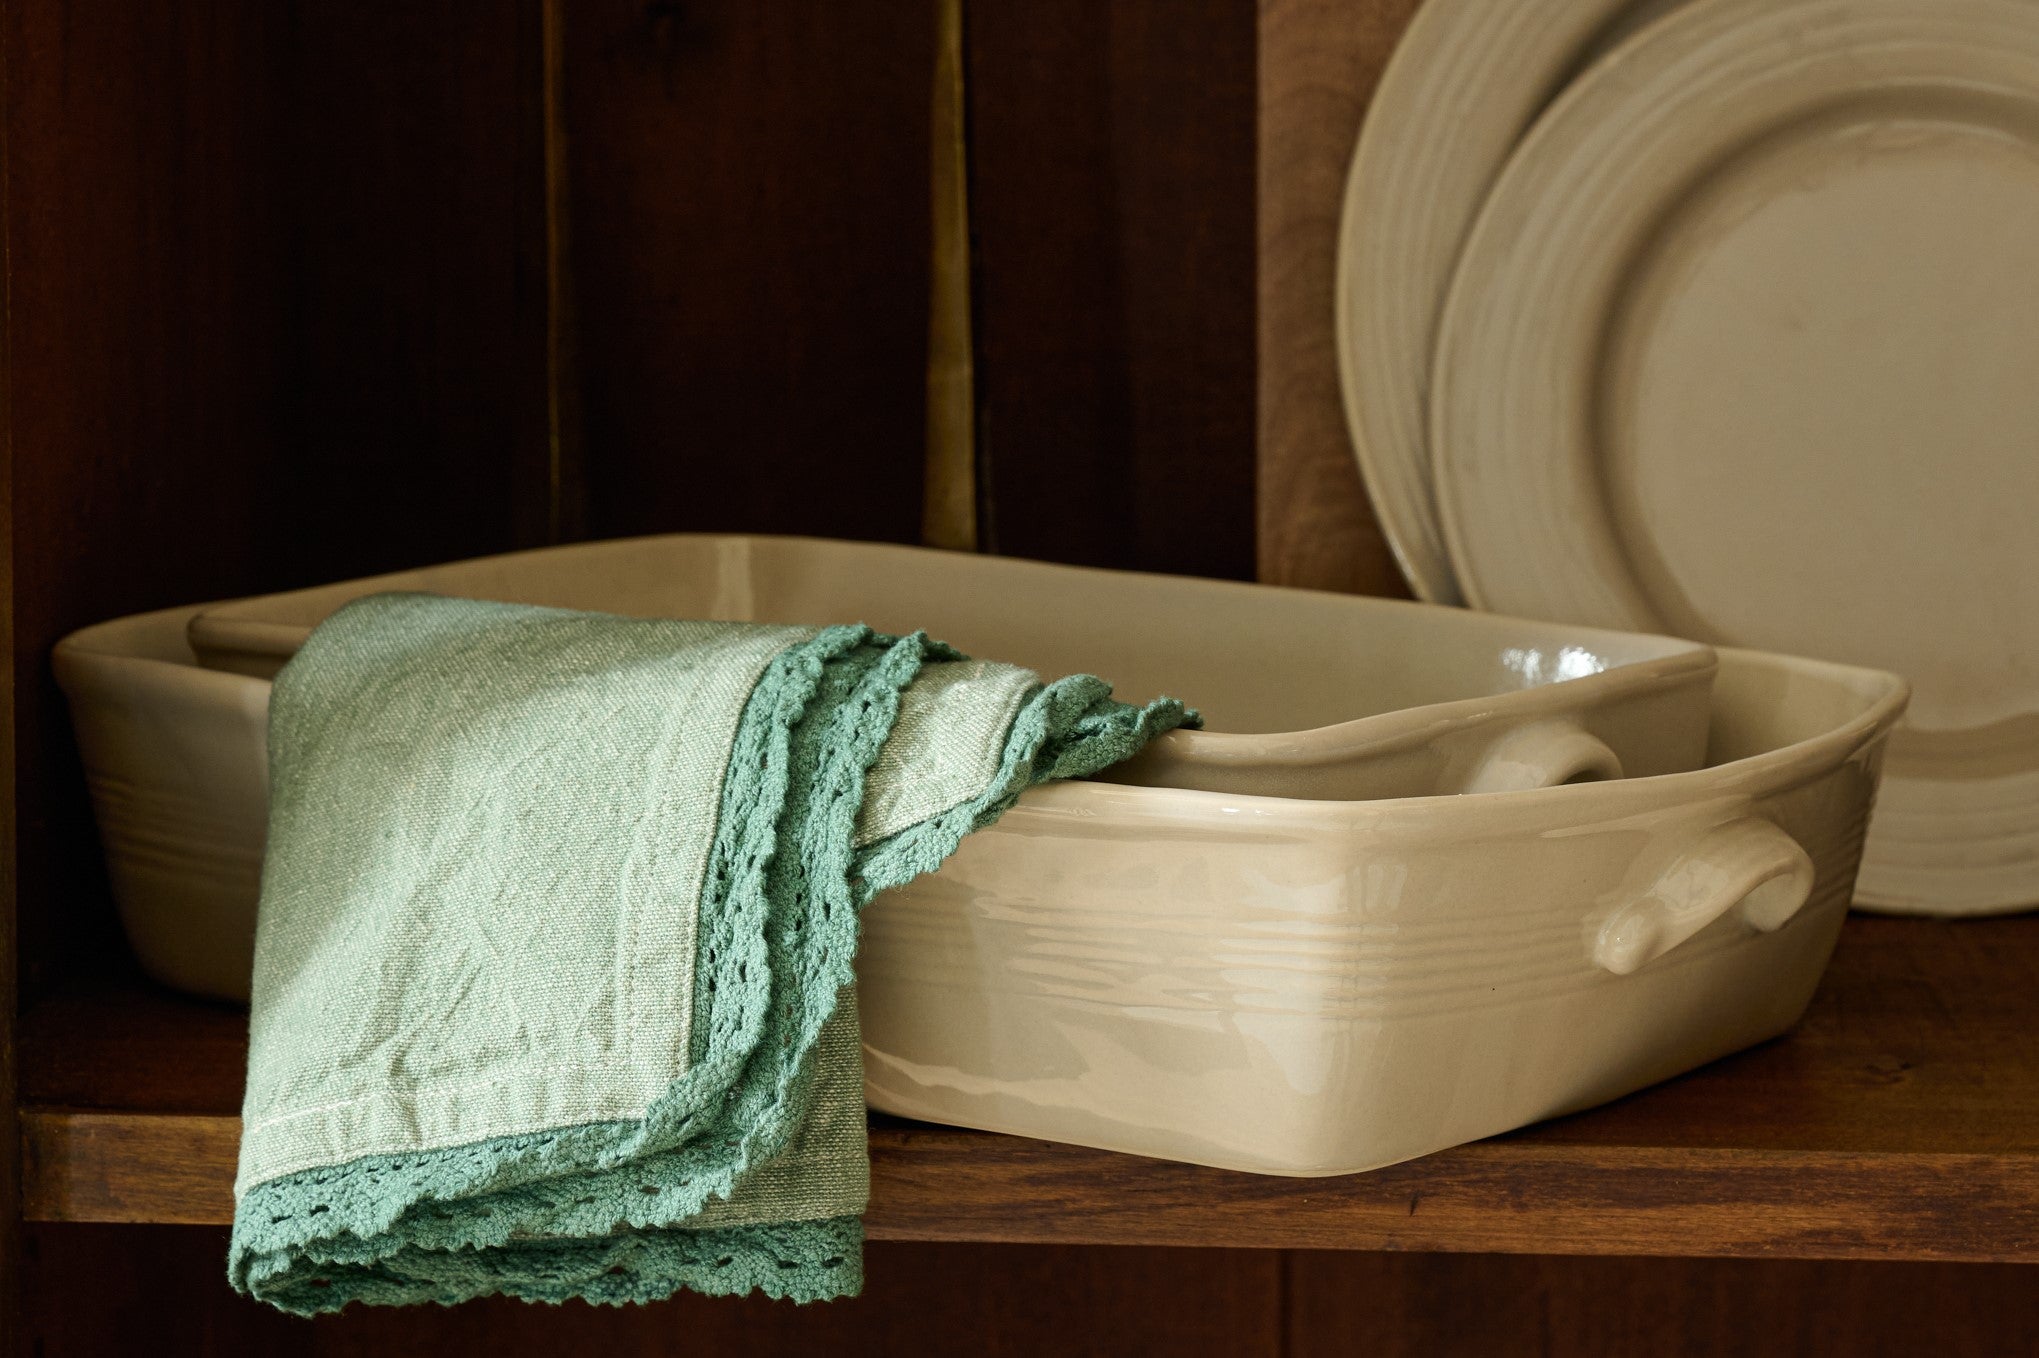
(552, 990)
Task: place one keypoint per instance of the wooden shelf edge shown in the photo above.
(1501, 1197)
(169, 1169)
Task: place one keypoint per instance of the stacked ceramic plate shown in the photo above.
(1721, 319)
(1430, 875)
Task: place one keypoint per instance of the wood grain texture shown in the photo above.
(10, 1006)
(948, 517)
(275, 315)
(1112, 201)
(1474, 1306)
(1900, 1121)
(145, 366)
(566, 454)
(1319, 62)
(417, 387)
(173, 1168)
(1506, 1196)
(11, 1340)
(124, 1044)
(95, 1289)
(750, 227)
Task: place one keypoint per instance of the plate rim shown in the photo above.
(1391, 275)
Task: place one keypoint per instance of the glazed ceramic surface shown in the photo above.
(176, 758)
(1743, 349)
(1306, 694)
(1322, 987)
(1466, 81)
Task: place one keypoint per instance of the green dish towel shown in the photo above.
(552, 990)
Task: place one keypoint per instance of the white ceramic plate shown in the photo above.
(1745, 347)
(1467, 79)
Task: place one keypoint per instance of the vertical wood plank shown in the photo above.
(11, 1340)
(565, 464)
(10, 1000)
(418, 424)
(949, 496)
(276, 315)
(1319, 62)
(1112, 187)
(146, 366)
(750, 224)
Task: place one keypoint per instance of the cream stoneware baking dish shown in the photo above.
(1313, 987)
(1305, 694)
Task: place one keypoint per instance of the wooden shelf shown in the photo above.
(1899, 1121)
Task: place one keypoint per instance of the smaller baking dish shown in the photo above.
(1309, 988)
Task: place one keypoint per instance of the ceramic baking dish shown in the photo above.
(1312, 987)
(1298, 987)
(1305, 694)
(174, 752)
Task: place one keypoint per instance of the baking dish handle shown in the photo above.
(1748, 865)
(1543, 754)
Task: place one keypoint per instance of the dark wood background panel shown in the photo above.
(415, 285)
(93, 1289)
(1112, 193)
(1487, 1306)
(1319, 63)
(146, 365)
(276, 316)
(10, 1112)
(750, 223)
